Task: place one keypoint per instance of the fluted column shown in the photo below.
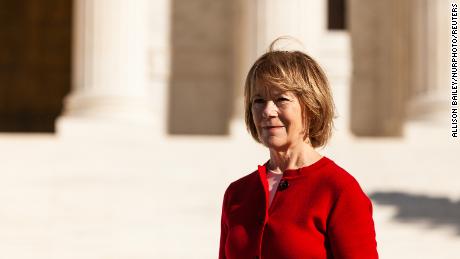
(380, 54)
(305, 20)
(245, 53)
(119, 70)
(428, 101)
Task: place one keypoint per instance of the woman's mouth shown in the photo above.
(272, 128)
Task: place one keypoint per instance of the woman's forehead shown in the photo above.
(270, 91)
(265, 88)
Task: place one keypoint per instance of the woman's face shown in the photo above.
(277, 116)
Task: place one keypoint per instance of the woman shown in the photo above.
(299, 204)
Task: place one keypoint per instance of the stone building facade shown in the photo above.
(177, 66)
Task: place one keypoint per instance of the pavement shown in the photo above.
(135, 197)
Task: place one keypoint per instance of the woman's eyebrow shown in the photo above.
(280, 93)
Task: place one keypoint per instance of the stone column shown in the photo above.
(380, 55)
(245, 53)
(428, 101)
(113, 87)
(305, 20)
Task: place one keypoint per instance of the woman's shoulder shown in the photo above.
(245, 181)
(333, 176)
(243, 187)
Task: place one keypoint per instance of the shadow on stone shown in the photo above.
(436, 211)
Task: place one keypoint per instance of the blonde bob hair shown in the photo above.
(296, 72)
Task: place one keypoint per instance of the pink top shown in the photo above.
(273, 179)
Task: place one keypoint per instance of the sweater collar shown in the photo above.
(289, 173)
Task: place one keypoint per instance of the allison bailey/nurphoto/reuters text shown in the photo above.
(454, 69)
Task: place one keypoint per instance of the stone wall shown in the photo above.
(201, 94)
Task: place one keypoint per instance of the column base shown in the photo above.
(68, 126)
(108, 117)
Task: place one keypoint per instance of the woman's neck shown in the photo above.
(294, 157)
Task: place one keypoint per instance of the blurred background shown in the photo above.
(121, 122)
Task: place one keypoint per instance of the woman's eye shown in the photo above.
(282, 99)
(258, 100)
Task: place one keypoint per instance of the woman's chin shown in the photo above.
(275, 143)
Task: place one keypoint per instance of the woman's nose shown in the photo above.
(270, 109)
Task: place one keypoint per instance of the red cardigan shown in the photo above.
(318, 211)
